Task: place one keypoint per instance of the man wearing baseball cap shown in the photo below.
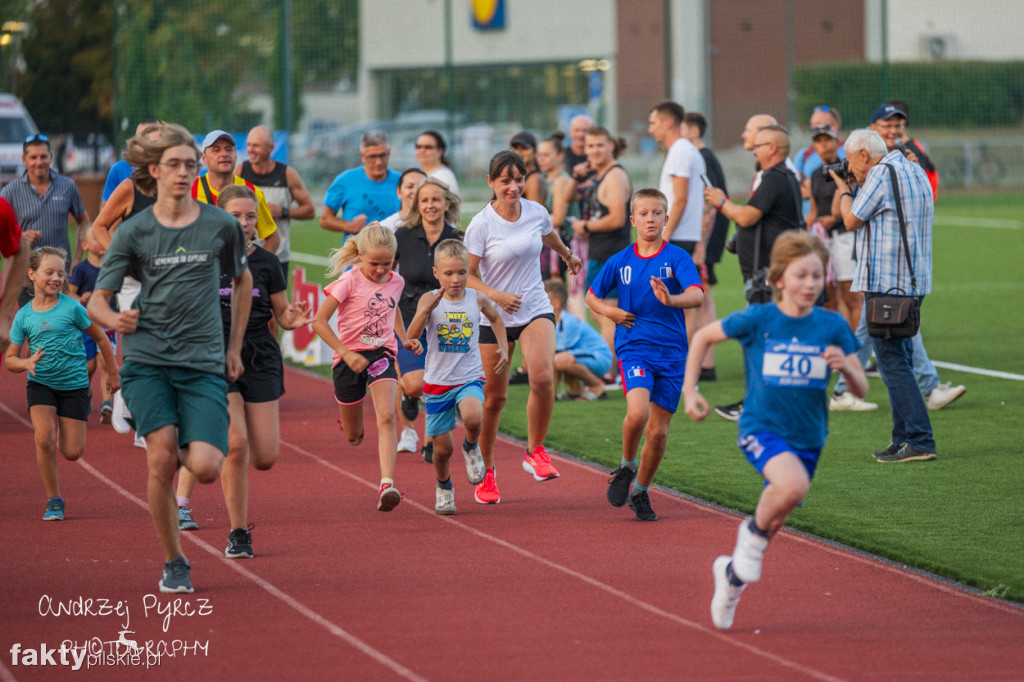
(218, 150)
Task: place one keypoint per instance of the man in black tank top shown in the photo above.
(281, 184)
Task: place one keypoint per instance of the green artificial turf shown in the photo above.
(957, 516)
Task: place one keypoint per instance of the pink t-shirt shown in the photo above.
(366, 311)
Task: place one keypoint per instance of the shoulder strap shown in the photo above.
(903, 225)
(206, 188)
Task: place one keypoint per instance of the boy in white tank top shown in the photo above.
(454, 374)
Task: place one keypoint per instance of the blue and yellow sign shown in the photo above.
(488, 15)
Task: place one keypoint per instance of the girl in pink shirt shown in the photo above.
(366, 299)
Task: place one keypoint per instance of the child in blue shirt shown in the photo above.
(83, 281)
(656, 281)
(790, 348)
(582, 356)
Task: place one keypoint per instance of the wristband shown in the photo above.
(285, 212)
(720, 204)
(846, 194)
(586, 228)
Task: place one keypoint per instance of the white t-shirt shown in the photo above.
(447, 176)
(393, 222)
(510, 257)
(685, 161)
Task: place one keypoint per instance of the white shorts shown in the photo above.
(841, 246)
(130, 288)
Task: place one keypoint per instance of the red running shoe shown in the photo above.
(538, 463)
(487, 491)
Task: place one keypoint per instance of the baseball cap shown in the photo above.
(213, 137)
(885, 112)
(524, 139)
(825, 130)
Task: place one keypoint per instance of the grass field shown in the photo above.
(956, 516)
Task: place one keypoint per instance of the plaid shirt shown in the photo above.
(48, 214)
(875, 204)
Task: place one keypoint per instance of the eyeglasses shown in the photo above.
(760, 144)
(376, 157)
(426, 146)
(38, 137)
(898, 125)
(175, 164)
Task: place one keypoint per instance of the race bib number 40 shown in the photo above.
(794, 365)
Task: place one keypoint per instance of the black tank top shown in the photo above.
(275, 178)
(140, 202)
(604, 245)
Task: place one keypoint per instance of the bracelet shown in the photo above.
(285, 212)
(568, 257)
(846, 194)
(720, 204)
(586, 228)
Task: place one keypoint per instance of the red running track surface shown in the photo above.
(552, 584)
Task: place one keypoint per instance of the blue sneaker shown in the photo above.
(177, 576)
(185, 521)
(54, 510)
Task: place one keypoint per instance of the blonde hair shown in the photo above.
(412, 217)
(451, 248)
(233, 192)
(789, 246)
(373, 236)
(143, 152)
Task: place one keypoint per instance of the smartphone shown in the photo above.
(704, 177)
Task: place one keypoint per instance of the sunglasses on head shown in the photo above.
(38, 137)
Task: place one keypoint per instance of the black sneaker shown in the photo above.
(889, 451)
(519, 376)
(240, 543)
(410, 407)
(428, 452)
(618, 485)
(907, 453)
(730, 412)
(177, 576)
(640, 503)
(708, 374)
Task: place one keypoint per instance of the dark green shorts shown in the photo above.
(195, 402)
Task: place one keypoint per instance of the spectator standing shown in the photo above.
(807, 159)
(432, 156)
(364, 194)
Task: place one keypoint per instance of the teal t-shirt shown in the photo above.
(58, 331)
(179, 268)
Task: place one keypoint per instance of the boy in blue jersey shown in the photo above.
(656, 282)
(790, 349)
(582, 356)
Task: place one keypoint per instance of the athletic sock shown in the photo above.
(624, 464)
(182, 501)
(637, 488)
(752, 526)
(467, 446)
(389, 481)
(733, 580)
(50, 499)
(445, 485)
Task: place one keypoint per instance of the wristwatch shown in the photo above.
(285, 212)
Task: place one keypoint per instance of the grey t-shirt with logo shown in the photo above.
(180, 268)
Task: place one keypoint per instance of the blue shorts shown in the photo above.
(763, 445)
(91, 350)
(441, 408)
(409, 361)
(598, 364)
(663, 377)
(593, 268)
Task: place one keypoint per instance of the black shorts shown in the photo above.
(511, 333)
(263, 379)
(350, 387)
(688, 247)
(73, 404)
(712, 278)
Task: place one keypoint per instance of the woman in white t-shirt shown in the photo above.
(504, 242)
(430, 154)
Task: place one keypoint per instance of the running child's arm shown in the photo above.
(488, 309)
(693, 297)
(613, 313)
(408, 342)
(695, 405)
(290, 316)
(849, 367)
(241, 304)
(16, 363)
(123, 322)
(95, 333)
(508, 302)
(322, 327)
(428, 302)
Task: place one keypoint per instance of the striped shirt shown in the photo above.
(48, 213)
(875, 204)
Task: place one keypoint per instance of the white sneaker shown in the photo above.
(848, 402)
(444, 501)
(749, 554)
(943, 395)
(120, 415)
(409, 441)
(474, 464)
(727, 595)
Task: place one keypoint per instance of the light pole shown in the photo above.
(15, 29)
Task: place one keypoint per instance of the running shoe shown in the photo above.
(240, 543)
(619, 484)
(730, 412)
(475, 468)
(943, 395)
(106, 410)
(185, 521)
(640, 503)
(428, 452)
(727, 595)
(408, 441)
(906, 453)
(487, 491)
(54, 509)
(444, 501)
(748, 555)
(177, 576)
(120, 415)
(410, 407)
(538, 464)
(388, 497)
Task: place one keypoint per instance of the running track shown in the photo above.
(552, 584)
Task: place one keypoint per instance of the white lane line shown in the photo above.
(265, 585)
(979, 370)
(613, 591)
(963, 221)
(310, 258)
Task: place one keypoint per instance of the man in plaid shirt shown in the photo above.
(882, 265)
